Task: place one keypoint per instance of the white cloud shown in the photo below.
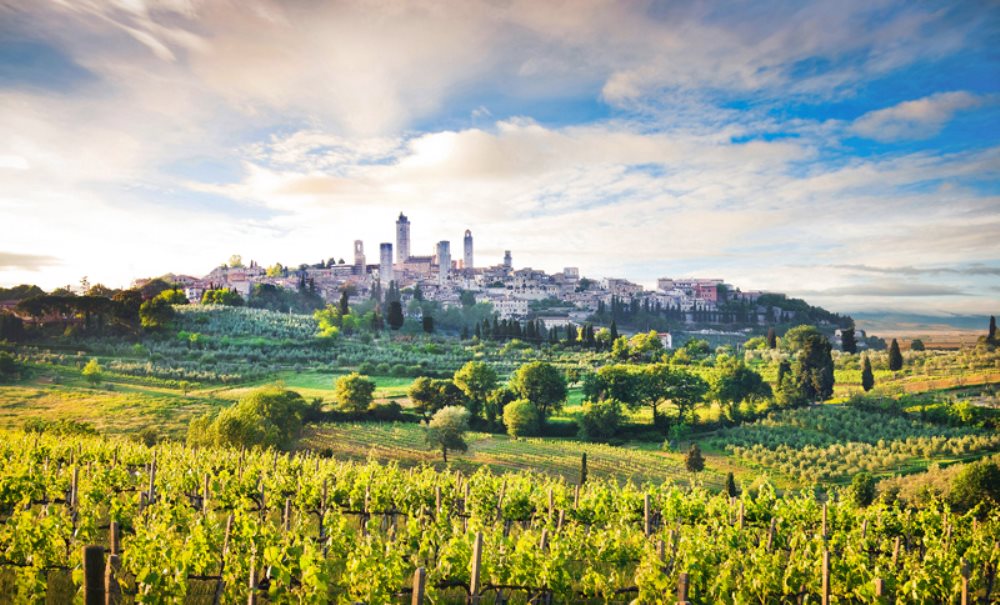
(916, 119)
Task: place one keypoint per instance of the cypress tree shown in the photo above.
(344, 309)
(465, 332)
(867, 377)
(992, 335)
(895, 357)
(395, 316)
(772, 339)
(693, 460)
(428, 323)
(479, 332)
(847, 341)
(731, 485)
(614, 331)
(583, 468)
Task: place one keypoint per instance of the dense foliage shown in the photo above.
(319, 531)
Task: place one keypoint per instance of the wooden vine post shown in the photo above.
(825, 596)
(93, 575)
(645, 515)
(419, 586)
(475, 585)
(966, 573)
(682, 589)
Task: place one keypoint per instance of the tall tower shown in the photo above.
(402, 238)
(468, 249)
(508, 263)
(385, 264)
(359, 257)
(444, 260)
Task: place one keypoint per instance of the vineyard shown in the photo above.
(835, 442)
(404, 442)
(229, 526)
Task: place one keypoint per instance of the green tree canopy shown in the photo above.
(735, 384)
(446, 430)
(542, 384)
(354, 392)
(477, 379)
(521, 418)
(270, 416)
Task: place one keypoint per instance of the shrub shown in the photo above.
(387, 412)
(521, 418)
(354, 392)
(600, 420)
(862, 489)
(267, 417)
(976, 483)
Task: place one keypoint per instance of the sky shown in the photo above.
(845, 152)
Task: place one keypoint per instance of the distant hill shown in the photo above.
(888, 322)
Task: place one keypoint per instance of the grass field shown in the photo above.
(405, 442)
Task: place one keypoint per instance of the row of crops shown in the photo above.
(281, 528)
(834, 442)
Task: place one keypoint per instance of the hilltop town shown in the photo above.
(514, 293)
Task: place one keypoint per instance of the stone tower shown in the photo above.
(402, 238)
(468, 250)
(444, 260)
(508, 262)
(385, 264)
(359, 257)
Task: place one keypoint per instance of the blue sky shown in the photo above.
(846, 152)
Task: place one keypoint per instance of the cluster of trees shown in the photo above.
(222, 296)
(267, 417)
(809, 378)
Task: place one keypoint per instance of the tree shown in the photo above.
(93, 372)
(731, 490)
(345, 298)
(267, 417)
(222, 296)
(521, 418)
(680, 387)
(917, 345)
(354, 392)
(736, 383)
(430, 395)
(496, 402)
(848, 344)
(542, 384)
(772, 339)
(156, 313)
(423, 396)
(174, 297)
(862, 489)
(813, 370)
(977, 482)
(600, 420)
(446, 430)
(583, 468)
(867, 376)
(395, 315)
(8, 366)
(427, 322)
(895, 357)
(991, 335)
(694, 462)
(477, 379)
